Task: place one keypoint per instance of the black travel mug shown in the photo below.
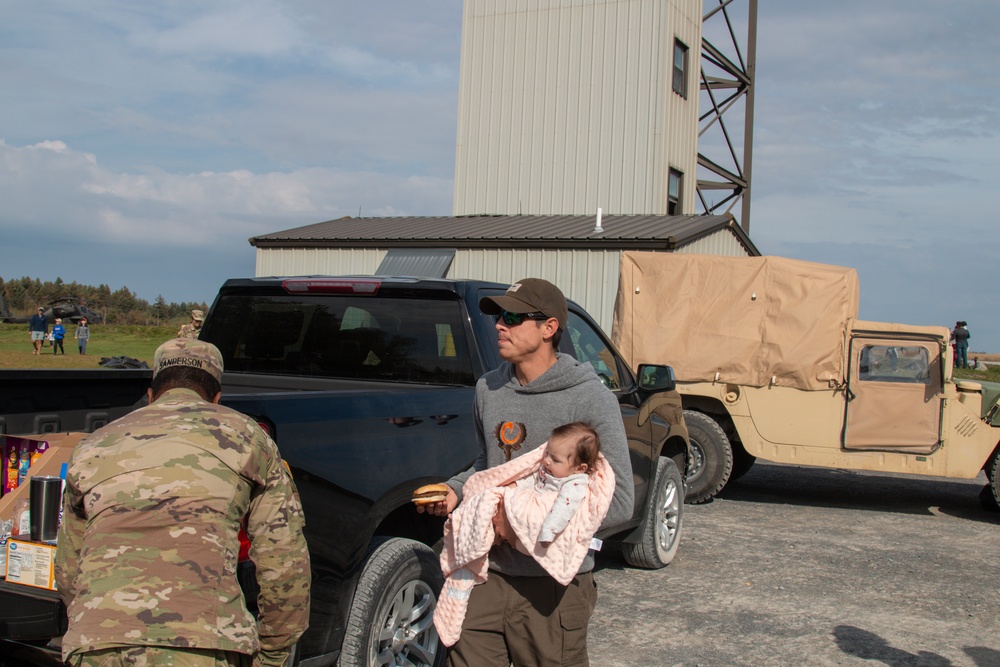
(44, 501)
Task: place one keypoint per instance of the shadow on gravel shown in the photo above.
(873, 492)
(869, 646)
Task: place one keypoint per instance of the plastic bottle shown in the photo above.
(22, 519)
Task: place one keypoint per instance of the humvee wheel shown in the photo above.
(742, 462)
(711, 457)
(990, 496)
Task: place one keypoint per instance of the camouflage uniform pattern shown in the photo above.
(154, 656)
(147, 549)
(188, 331)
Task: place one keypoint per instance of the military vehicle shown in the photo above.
(72, 309)
(68, 308)
(772, 362)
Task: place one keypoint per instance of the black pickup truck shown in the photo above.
(367, 386)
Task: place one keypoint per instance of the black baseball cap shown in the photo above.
(530, 295)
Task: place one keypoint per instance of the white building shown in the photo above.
(566, 107)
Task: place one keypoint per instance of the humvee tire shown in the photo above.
(711, 457)
(990, 496)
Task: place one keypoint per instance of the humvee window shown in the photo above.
(894, 363)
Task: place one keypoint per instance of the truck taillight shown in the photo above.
(355, 286)
(266, 428)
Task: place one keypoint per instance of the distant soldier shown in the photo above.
(148, 546)
(193, 329)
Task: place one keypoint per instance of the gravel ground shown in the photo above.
(799, 566)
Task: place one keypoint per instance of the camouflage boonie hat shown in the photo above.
(197, 315)
(189, 352)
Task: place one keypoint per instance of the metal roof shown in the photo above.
(659, 232)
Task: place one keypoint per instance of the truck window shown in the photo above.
(894, 363)
(589, 346)
(396, 340)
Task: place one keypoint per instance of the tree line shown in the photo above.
(122, 306)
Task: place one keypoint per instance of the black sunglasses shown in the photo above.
(513, 319)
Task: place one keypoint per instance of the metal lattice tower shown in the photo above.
(727, 96)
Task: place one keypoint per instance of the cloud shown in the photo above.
(49, 183)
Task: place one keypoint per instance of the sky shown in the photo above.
(143, 144)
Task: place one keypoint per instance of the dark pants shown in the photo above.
(57, 344)
(527, 622)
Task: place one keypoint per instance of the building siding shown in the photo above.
(567, 107)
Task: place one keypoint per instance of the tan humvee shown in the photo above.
(772, 363)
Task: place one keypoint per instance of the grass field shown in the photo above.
(107, 340)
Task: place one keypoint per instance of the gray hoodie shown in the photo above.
(522, 418)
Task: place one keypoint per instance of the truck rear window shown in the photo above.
(397, 340)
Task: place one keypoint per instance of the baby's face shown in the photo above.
(560, 458)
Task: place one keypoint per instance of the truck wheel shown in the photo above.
(990, 496)
(742, 462)
(711, 457)
(661, 530)
(391, 618)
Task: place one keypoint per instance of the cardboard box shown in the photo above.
(60, 446)
(31, 564)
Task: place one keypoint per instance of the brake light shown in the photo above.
(264, 426)
(355, 286)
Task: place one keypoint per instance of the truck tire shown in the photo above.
(661, 530)
(711, 457)
(990, 496)
(390, 622)
(742, 462)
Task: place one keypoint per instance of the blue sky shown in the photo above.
(142, 144)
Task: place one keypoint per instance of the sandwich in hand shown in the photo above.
(430, 493)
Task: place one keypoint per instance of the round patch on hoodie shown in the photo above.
(509, 437)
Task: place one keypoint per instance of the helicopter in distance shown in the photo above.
(72, 309)
(66, 308)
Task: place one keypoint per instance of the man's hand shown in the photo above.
(501, 526)
(443, 508)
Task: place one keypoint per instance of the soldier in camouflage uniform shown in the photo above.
(194, 329)
(147, 549)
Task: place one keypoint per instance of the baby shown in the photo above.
(570, 455)
(555, 497)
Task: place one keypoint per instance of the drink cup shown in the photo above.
(45, 499)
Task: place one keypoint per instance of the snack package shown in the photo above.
(5, 527)
(10, 465)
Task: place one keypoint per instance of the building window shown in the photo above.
(674, 189)
(680, 68)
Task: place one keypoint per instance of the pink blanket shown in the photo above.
(469, 534)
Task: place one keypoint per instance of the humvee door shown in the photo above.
(894, 393)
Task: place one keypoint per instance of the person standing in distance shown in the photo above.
(960, 334)
(58, 334)
(148, 545)
(82, 335)
(192, 330)
(521, 615)
(38, 326)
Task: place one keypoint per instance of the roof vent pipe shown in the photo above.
(597, 223)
